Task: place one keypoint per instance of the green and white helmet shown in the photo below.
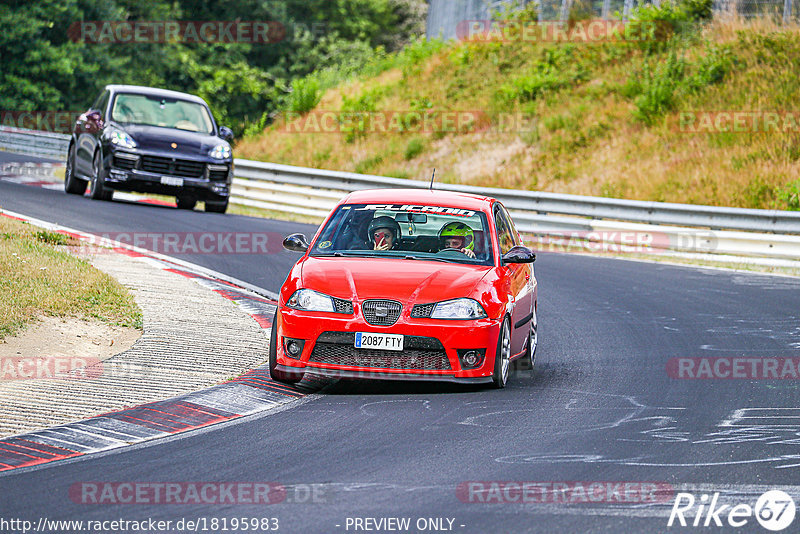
(458, 229)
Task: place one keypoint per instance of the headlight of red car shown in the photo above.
(458, 309)
(310, 300)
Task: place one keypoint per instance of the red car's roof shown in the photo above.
(419, 196)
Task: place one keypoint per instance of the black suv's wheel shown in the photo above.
(502, 358)
(276, 374)
(186, 203)
(216, 207)
(96, 188)
(72, 184)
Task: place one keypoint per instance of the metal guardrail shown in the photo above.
(682, 227)
(35, 143)
(531, 206)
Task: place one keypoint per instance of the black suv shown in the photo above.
(151, 141)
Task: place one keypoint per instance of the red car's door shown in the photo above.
(521, 281)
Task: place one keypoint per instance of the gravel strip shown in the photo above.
(193, 338)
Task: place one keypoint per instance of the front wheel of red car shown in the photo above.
(502, 358)
(274, 372)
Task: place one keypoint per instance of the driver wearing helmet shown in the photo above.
(457, 236)
(383, 233)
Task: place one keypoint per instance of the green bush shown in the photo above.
(658, 88)
(366, 165)
(558, 68)
(305, 95)
(790, 195)
(414, 148)
(357, 112)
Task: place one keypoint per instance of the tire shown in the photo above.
(72, 184)
(528, 360)
(216, 207)
(186, 203)
(96, 188)
(277, 375)
(502, 358)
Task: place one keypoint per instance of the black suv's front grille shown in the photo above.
(217, 173)
(381, 312)
(419, 353)
(179, 167)
(124, 163)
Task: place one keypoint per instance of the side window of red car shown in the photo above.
(506, 235)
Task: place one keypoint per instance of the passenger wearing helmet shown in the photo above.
(383, 233)
(457, 236)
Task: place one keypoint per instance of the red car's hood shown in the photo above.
(404, 280)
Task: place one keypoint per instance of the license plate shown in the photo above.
(369, 340)
(169, 180)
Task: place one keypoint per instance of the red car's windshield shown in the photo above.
(437, 233)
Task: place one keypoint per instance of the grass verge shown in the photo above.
(39, 277)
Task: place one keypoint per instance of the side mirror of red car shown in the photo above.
(296, 243)
(519, 254)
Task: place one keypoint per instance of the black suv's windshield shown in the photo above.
(434, 233)
(148, 110)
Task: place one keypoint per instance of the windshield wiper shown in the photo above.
(340, 254)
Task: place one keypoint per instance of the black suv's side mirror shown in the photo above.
(519, 254)
(226, 133)
(296, 243)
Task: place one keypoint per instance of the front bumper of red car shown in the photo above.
(432, 350)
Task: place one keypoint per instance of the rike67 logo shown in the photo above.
(774, 510)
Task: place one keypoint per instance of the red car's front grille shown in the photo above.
(381, 312)
(419, 353)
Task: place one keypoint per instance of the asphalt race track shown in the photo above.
(600, 406)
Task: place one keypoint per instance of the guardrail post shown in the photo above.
(565, 7)
(626, 11)
(606, 10)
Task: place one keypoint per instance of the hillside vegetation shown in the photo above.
(605, 119)
(57, 55)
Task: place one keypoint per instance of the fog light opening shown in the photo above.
(293, 348)
(471, 358)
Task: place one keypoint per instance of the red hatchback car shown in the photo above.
(408, 285)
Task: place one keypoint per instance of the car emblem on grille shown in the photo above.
(381, 311)
(174, 145)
